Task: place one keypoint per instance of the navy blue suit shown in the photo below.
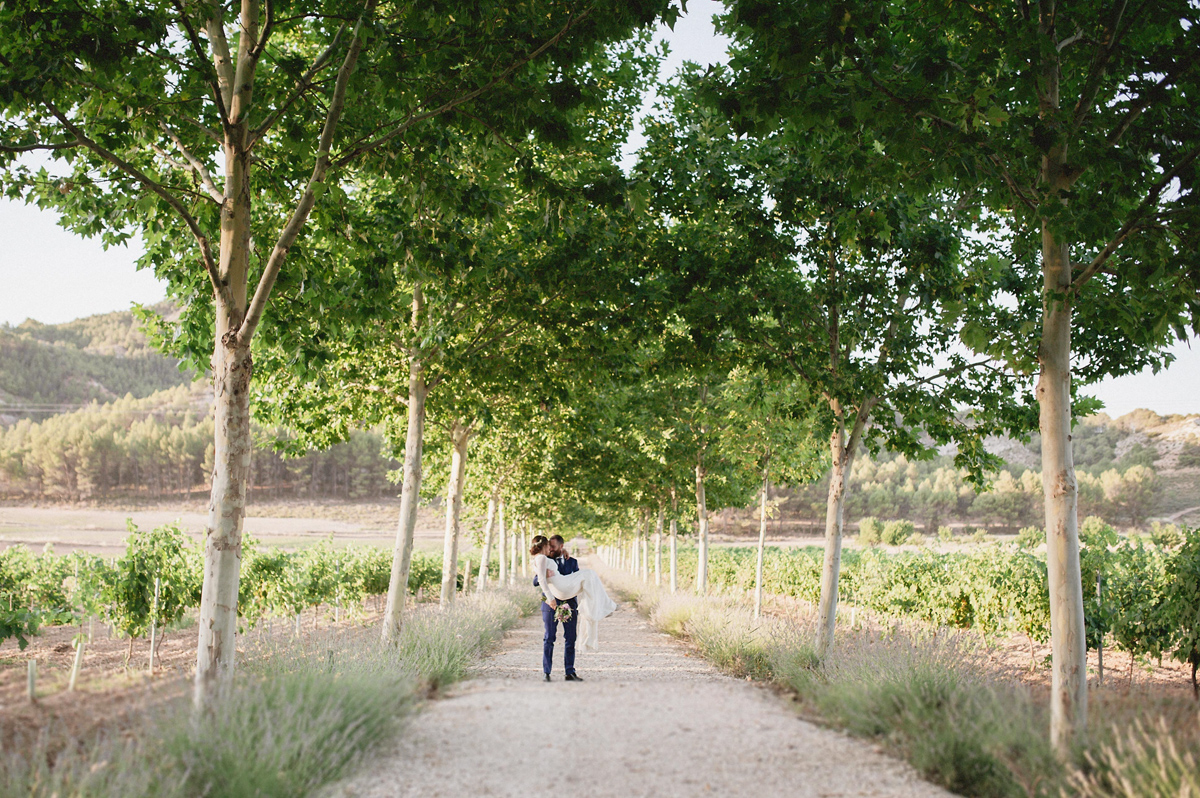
(566, 566)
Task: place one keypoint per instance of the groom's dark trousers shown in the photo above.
(565, 566)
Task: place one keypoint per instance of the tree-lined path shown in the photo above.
(648, 721)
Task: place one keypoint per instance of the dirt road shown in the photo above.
(649, 720)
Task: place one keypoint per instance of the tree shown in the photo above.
(283, 111)
(839, 272)
(769, 430)
(499, 270)
(1066, 128)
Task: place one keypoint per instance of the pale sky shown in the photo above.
(53, 276)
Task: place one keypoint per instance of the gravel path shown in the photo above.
(649, 720)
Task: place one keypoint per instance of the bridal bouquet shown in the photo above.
(562, 613)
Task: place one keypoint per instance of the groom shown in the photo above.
(566, 565)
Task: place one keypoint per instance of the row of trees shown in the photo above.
(871, 230)
(162, 446)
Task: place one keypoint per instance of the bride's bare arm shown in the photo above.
(539, 562)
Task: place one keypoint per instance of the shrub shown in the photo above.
(1139, 763)
(1167, 536)
(923, 699)
(945, 534)
(302, 714)
(916, 539)
(895, 533)
(1031, 537)
(869, 531)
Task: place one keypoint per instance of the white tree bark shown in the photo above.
(646, 552)
(658, 534)
(512, 553)
(525, 544)
(701, 531)
(502, 549)
(460, 438)
(674, 541)
(1068, 648)
(842, 451)
(762, 547)
(232, 367)
(488, 531)
(1068, 704)
(410, 494)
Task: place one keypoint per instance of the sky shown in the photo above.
(54, 276)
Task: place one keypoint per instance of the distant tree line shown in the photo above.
(161, 446)
(932, 493)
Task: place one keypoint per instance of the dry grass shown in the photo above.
(943, 701)
(302, 713)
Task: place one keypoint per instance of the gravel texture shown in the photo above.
(650, 719)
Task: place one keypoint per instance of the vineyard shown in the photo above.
(159, 579)
(1145, 599)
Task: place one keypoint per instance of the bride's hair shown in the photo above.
(539, 542)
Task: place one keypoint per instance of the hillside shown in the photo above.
(1133, 471)
(47, 368)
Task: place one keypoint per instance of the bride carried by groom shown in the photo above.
(584, 584)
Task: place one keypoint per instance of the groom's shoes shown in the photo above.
(547, 677)
(573, 677)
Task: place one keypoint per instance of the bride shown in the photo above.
(594, 602)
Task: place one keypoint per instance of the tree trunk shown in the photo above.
(525, 544)
(488, 529)
(701, 531)
(512, 553)
(658, 533)
(1068, 699)
(1068, 705)
(502, 549)
(834, 507)
(410, 494)
(460, 438)
(646, 551)
(232, 367)
(762, 546)
(674, 541)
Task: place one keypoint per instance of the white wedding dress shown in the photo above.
(594, 603)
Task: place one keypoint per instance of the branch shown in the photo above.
(1136, 110)
(946, 123)
(221, 61)
(860, 424)
(212, 77)
(1134, 220)
(302, 85)
(31, 147)
(196, 166)
(292, 229)
(267, 30)
(247, 61)
(947, 372)
(1067, 42)
(452, 104)
(1012, 184)
(1087, 96)
(207, 131)
(210, 263)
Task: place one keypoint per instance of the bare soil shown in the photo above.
(102, 529)
(115, 690)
